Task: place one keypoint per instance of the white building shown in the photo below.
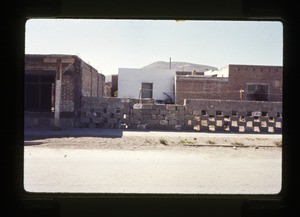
(220, 72)
(146, 83)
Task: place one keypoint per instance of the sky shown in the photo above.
(111, 44)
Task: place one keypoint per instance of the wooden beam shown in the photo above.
(54, 59)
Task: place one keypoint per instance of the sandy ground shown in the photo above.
(153, 162)
(160, 140)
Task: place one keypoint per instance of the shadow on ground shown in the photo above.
(42, 133)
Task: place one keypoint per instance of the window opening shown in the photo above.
(147, 90)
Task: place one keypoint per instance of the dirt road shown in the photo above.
(155, 163)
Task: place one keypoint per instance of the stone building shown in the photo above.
(235, 82)
(54, 86)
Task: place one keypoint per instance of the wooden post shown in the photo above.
(241, 94)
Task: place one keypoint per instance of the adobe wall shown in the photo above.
(194, 115)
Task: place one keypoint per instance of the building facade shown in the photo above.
(235, 82)
(146, 83)
(56, 83)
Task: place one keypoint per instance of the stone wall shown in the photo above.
(194, 115)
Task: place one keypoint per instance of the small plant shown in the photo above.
(210, 142)
(147, 141)
(261, 138)
(163, 141)
(251, 139)
(116, 93)
(237, 143)
(278, 143)
(185, 141)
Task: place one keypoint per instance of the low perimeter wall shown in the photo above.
(194, 115)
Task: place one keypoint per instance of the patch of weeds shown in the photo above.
(147, 141)
(251, 139)
(237, 143)
(210, 142)
(163, 141)
(185, 141)
(278, 143)
(261, 138)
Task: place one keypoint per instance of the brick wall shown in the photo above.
(101, 85)
(240, 75)
(86, 72)
(92, 82)
(199, 87)
(195, 87)
(67, 92)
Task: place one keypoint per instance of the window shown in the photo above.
(257, 92)
(147, 90)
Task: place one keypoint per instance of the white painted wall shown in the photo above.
(220, 72)
(130, 81)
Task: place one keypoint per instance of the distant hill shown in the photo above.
(179, 66)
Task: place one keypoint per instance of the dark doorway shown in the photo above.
(39, 93)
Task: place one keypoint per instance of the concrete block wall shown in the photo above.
(194, 115)
(235, 116)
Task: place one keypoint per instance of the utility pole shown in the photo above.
(170, 63)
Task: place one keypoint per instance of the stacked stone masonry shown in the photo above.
(194, 115)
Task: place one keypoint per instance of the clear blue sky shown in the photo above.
(111, 44)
